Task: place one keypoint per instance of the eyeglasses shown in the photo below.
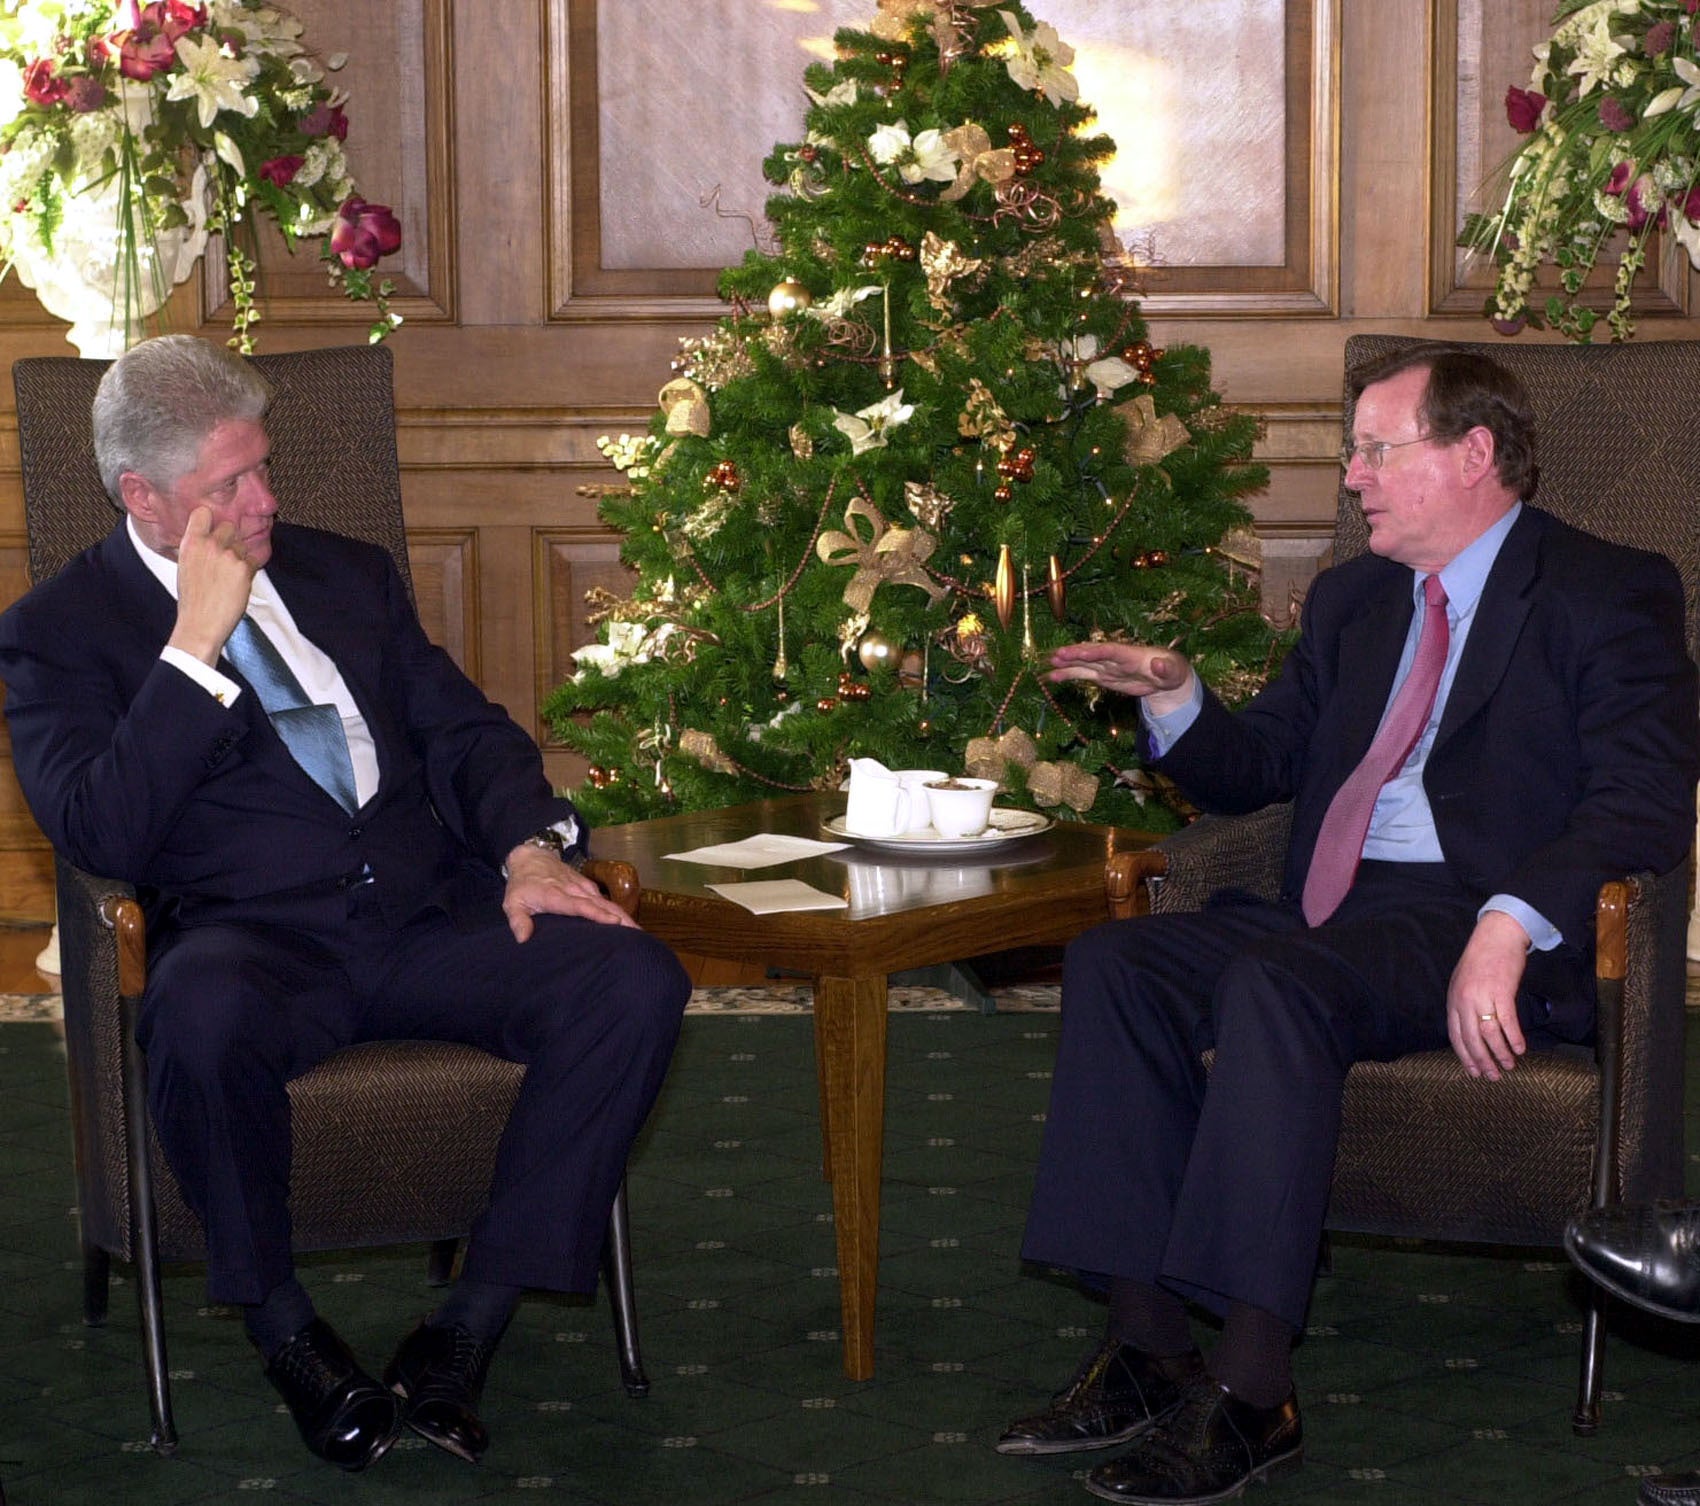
(1373, 451)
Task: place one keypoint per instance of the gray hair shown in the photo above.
(160, 400)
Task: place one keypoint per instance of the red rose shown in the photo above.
(281, 170)
(363, 232)
(42, 84)
(1523, 107)
(325, 120)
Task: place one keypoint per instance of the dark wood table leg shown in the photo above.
(850, 1016)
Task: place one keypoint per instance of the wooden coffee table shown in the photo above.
(905, 912)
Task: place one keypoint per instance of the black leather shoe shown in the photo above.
(345, 1416)
(1669, 1490)
(439, 1375)
(1648, 1254)
(1209, 1450)
(1119, 1393)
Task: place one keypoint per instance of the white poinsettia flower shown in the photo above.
(889, 142)
(1597, 52)
(932, 159)
(1041, 60)
(839, 305)
(214, 79)
(628, 643)
(838, 94)
(866, 428)
(1110, 375)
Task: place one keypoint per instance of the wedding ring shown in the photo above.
(1487, 1019)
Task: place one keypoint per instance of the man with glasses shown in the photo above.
(1484, 718)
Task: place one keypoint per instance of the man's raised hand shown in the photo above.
(214, 576)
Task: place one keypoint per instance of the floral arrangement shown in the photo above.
(1613, 155)
(131, 132)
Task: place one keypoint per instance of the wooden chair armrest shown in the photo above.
(1127, 878)
(1187, 866)
(619, 881)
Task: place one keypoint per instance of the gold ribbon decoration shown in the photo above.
(978, 160)
(990, 757)
(1062, 784)
(1150, 438)
(686, 407)
(929, 505)
(892, 556)
(943, 262)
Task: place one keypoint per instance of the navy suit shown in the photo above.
(281, 928)
(1566, 754)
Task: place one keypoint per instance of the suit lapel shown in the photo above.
(1498, 624)
(1370, 645)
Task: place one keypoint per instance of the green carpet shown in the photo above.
(1426, 1376)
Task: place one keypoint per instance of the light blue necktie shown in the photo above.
(313, 734)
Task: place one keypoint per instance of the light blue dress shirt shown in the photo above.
(1401, 827)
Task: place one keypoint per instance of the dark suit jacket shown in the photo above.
(135, 772)
(1568, 748)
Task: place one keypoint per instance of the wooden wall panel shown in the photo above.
(477, 122)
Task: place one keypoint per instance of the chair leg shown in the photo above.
(144, 1236)
(440, 1263)
(97, 1284)
(1586, 1420)
(617, 1276)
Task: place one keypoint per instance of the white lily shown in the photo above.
(866, 428)
(1597, 53)
(1687, 234)
(214, 79)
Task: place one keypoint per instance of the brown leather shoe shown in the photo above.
(1210, 1449)
(1117, 1394)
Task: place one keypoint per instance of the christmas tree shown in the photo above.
(931, 442)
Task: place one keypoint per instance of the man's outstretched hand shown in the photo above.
(1161, 676)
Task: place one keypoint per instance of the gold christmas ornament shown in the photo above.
(788, 297)
(876, 651)
(911, 671)
(852, 689)
(929, 505)
(802, 446)
(944, 263)
(1003, 588)
(1056, 590)
(1024, 154)
(1003, 493)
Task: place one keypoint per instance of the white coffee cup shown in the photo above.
(878, 805)
(915, 781)
(960, 807)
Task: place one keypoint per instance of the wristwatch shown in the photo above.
(550, 839)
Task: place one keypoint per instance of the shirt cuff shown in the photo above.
(1164, 730)
(220, 687)
(1543, 935)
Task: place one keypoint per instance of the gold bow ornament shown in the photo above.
(686, 407)
(1150, 438)
(891, 556)
(978, 161)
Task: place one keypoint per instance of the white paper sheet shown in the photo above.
(761, 851)
(771, 896)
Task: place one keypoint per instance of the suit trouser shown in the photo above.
(1217, 1187)
(232, 1013)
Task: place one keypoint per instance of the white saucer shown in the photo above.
(1006, 826)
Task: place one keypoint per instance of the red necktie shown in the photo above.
(1340, 842)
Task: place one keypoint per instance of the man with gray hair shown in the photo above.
(337, 839)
